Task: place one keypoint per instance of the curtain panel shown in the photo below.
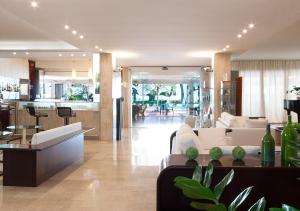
(265, 83)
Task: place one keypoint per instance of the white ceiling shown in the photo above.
(154, 32)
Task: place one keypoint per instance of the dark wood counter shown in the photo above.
(278, 184)
(25, 165)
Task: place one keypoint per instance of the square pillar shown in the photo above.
(222, 68)
(106, 101)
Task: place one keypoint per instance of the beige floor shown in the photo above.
(115, 176)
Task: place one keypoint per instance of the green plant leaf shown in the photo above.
(193, 189)
(239, 199)
(276, 209)
(219, 188)
(286, 207)
(208, 207)
(207, 177)
(197, 175)
(259, 205)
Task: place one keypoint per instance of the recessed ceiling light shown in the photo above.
(66, 27)
(251, 25)
(96, 46)
(224, 49)
(14, 53)
(59, 54)
(74, 32)
(72, 54)
(245, 31)
(239, 36)
(100, 49)
(227, 46)
(34, 4)
(26, 53)
(84, 54)
(81, 36)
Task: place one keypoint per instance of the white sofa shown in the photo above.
(213, 137)
(227, 120)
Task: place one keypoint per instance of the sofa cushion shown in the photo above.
(256, 123)
(185, 128)
(211, 137)
(228, 118)
(184, 141)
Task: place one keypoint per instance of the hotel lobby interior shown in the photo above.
(147, 105)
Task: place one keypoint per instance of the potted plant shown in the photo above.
(295, 91)
(204, 197)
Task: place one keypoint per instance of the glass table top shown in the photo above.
(13, 127)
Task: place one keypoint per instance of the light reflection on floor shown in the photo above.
(151, 139)
(115, 176)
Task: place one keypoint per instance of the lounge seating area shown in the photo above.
(207, 138)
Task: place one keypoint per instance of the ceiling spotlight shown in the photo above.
(14, 53)
(66, 27)
(84, 54)
(245, 31)
(72, 54)
(251, 25)
(81, 36)
(227, 46)
(239, 36)
(26, 53)
(224, 49)
(60, 54)
(74, 32)
(96, 46)
(34, 4)
(100, 49)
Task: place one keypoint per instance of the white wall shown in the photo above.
(14, 68)
(63, 68)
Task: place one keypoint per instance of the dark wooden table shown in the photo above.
(278, 184)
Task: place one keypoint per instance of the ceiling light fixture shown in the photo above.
(34, 4)
(14, 53)
(60, 54)
(251, 25)
(224, 49)
(245, 31)
(74, 32)
(72, 54)
(81, 36)
(84, 54)
(67, 27)
(227, 46)
(26, 53)
(239, 36)
(96, 46)
(100, 49)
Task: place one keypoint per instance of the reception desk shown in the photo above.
(86, 112)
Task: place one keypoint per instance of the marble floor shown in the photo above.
(115, 176)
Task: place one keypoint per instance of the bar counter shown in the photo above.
(86, 112)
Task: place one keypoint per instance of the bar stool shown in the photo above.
(66, 113)
(37, 115)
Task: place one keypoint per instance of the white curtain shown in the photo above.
(264, 86)
(274, 90)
